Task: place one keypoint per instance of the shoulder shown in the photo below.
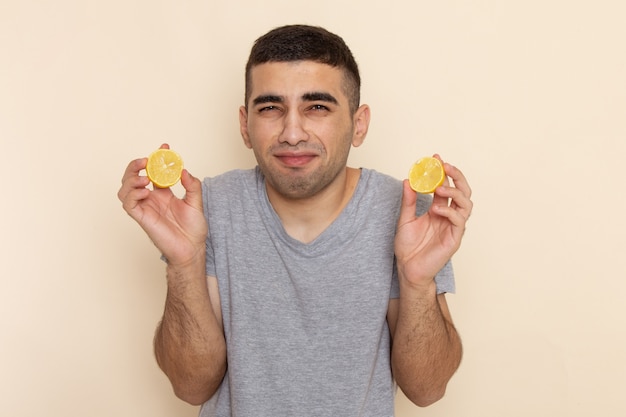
(235, 175)
(381, 182)
(379, 176)
(223, 192)
(230, 182)
(389, 189)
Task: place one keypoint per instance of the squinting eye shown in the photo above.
(262, 109)
(319, 107)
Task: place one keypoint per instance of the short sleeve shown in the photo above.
(210, 269)
(444, 280)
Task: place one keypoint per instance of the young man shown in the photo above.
(304, 287)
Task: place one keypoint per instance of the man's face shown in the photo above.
(299, 125)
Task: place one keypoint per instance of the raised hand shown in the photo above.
(424, 244)
(176, 226)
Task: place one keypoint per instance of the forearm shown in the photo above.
(189, 342)
(426, 347)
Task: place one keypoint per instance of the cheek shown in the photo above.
(338, 136)
(256, 133)
(263, 127)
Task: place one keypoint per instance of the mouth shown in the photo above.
(295, 159)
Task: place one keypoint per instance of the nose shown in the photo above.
(294, 130)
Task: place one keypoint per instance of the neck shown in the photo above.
(305, 219)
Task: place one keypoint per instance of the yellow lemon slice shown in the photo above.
(164, 168)
(426, 175)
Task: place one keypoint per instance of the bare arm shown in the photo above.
(426, 349)
(189, 342)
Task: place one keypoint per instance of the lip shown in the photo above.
(295, 159)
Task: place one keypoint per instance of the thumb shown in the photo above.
(407, 207)
(193, 189)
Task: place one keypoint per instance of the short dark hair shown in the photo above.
(307, 43)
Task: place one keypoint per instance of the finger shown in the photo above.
(458, 178)
(132, 199)
(461, 196)
(456, 219)
(439, 200)
(459, 200)
(460, 207)
(193, 189)
(132, 179)
(133, 168)
(407, 206)
(136, 165)
(130, 185)
(455, 174)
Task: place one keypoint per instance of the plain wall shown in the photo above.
(528, 98)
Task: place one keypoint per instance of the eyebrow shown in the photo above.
(313, 96)
(318, 96)
(268, 98)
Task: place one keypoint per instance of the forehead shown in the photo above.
(295, 79)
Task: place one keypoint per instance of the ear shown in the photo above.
(243, 126)
(361, 124)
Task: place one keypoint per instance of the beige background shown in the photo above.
(527, 97)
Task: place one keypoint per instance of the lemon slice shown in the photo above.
(426, 175)
(164, 168)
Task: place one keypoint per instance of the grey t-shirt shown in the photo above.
(305, 324)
